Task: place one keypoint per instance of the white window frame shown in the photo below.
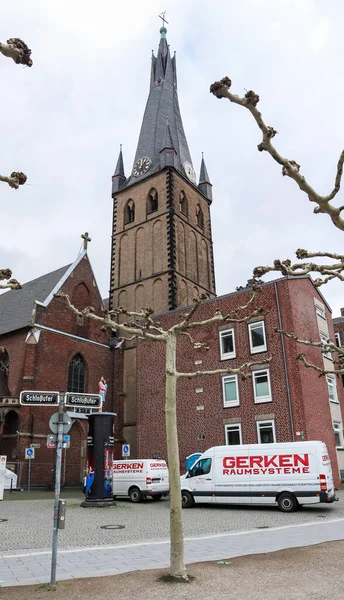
(337, 336)
(266, 422)
(320, 311)
(338, 428)
(324, 337)
(229, 403)
(331, 381)
(227, 355)
(261, 348)
(229, 426)
(261, 399)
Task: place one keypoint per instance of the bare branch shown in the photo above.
(107, 323)
(18, 51)
(16, 179)
(196, 345)
(321, 371)
(290, 168)
(244, 370)
(12, 284)
(325, 347)
(188, 316)
(327, 272)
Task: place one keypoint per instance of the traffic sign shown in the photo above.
(51, 441)
(29, 453)
(54, 419)
(35, 445)
(126, 450)
(33, 398)
(87, 400)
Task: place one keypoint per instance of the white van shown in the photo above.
(289, 474)
(140, 478)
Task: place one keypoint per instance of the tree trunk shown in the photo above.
(178, 568)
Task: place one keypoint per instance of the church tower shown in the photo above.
(162, 253)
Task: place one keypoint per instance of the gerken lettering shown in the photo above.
(266, 465)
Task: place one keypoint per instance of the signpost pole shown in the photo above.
(29, 477)
(57, 487)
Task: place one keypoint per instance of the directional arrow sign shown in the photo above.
(33, 398)
(87, 400)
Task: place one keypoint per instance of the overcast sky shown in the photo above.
(63, 120)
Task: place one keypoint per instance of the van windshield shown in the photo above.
(202, 467)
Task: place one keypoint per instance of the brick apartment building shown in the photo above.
(45, 346)
(283, 401)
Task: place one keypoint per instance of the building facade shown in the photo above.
(47, 347)
(283, 401)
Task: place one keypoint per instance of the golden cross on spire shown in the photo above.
(163, 17)
(86, 239)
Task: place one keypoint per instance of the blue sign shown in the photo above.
(29, 453)
(126, 450)
(66, 438)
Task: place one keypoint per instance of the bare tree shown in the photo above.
(143, 326)
(290, 168)
(21, 54)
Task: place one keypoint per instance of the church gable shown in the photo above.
(81, 287)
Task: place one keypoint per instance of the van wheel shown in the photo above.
(187, 499)
(135, 495)
(157, 497)
(287, 503)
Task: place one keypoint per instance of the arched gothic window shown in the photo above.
(129, 212)
(199, 217)
(152, 201)
(4, 368)
(183, 203)
(77, 375)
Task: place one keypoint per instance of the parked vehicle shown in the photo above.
(289, 474)
(140, 478)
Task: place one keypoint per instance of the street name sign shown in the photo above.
(85, 400)
(34, 398)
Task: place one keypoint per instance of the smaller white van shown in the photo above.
(140, 478)
(289, 474)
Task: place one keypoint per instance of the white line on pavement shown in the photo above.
(167, 541)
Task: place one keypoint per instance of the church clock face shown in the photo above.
(141, 166)
(189, 171)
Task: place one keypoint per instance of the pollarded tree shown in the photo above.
(143, 326)
(324, 205)
(21, 54)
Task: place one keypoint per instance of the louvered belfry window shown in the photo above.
(77, 375)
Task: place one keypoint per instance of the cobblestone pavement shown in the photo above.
(28, 568)
(29, 522)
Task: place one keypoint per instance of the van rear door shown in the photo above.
(325, 471)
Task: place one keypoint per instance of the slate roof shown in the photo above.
(162, 107)
(16, 305)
